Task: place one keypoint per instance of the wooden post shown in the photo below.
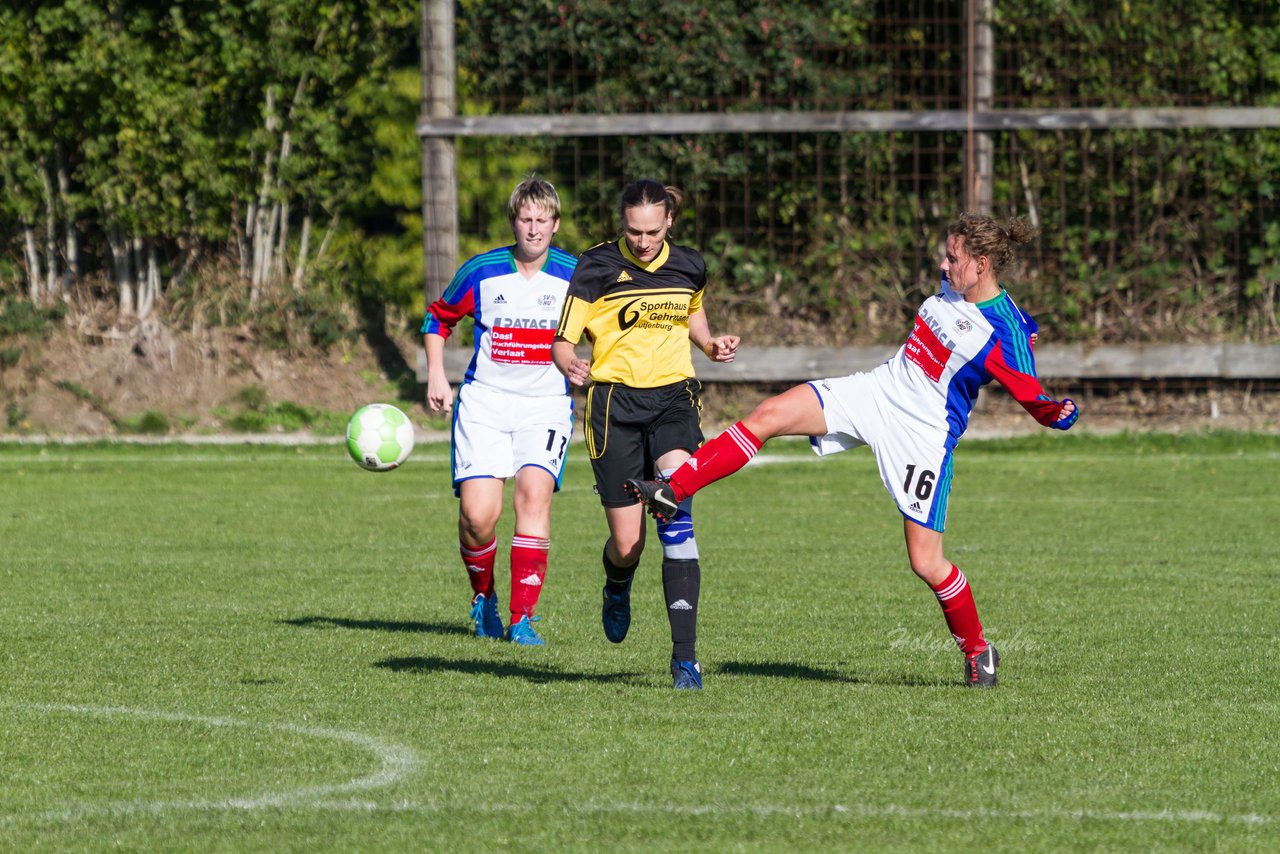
(439, 171)
(978, 95)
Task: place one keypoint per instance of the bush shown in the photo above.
(21, 317)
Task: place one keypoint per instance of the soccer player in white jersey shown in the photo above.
(514, 416)
(911, 411)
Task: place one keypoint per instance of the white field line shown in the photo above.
(395, 762)
(398, 761)
(854, 811)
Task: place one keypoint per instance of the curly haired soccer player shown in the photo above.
(640, 301)
(911, 411)
(514, 416)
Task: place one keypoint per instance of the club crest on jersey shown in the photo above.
(547, 300)
(624, 276)
(963, 325)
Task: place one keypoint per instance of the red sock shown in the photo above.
(717, 458)
(528, 569)
(479, 564)
(956, 599)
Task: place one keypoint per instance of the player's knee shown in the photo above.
(931, 572)
(625, 551)
(767, 419)
(476, 526)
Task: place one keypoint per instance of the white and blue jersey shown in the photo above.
(913, 409)
(515, 320)
(955, 348)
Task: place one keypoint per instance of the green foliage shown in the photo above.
(173, 123)
(21, 317)
(149, 422)
(254, 412)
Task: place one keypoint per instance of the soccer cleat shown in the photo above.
(687, 675)
(484, 611)
(521, 633)
(657, 497)
(615, 613)
(980, 668)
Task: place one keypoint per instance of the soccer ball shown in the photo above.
(379, 437)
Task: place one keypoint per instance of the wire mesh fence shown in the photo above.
(1146, 234)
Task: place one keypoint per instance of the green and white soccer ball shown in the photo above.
(379, 437)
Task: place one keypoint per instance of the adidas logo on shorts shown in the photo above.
(915, 507)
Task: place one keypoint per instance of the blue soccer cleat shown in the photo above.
(615, 613)
(521, 633)
(687, 675)
(484, 611)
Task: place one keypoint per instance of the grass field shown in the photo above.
(261, 648)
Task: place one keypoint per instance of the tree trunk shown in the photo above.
(148, 282)
(121, 269)
(282, 241)
(261, 246)
(71, 235)
(263, 274)
(304, 244)
(51, 284)
(33, 263)
(328, 234)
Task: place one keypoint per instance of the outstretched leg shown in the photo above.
(795, 412)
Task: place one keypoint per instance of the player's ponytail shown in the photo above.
(984, 236)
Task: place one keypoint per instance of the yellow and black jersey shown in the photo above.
(635, 315)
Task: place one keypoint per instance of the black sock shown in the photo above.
(681, 583)
(617, 578)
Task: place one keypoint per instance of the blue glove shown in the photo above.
(1065, 423)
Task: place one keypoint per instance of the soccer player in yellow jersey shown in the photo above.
(639, 301)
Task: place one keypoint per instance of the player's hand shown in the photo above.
(578, 372)
(439, 394)
(1067, 415)
(1035, 336)
(722, 348)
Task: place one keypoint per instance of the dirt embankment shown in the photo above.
(95, 384)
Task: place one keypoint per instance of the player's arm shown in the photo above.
(457, 302)
(717, 348)
(1025, 388)
(439, 392)
(567, 362)
(573, 322)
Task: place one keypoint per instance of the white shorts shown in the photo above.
(915, 467)
(496, 433)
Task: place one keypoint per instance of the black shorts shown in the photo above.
(628, 428)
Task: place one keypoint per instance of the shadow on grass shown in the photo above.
(504, 669)
(788, 670)
(379, 625)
